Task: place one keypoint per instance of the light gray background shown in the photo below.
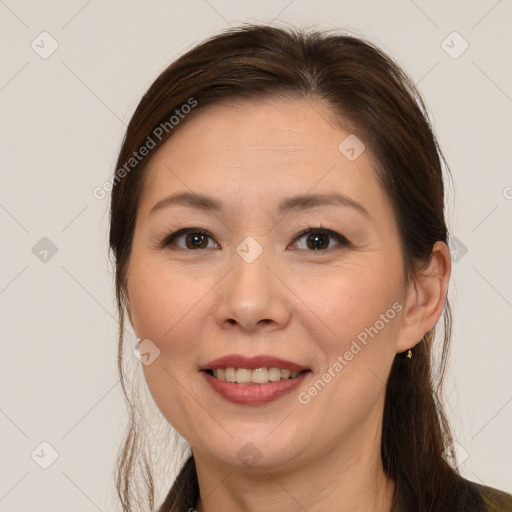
(62, 123)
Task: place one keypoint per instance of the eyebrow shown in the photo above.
(306, 201)
(198, 201)
(300, 202)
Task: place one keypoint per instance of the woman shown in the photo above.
(281, 252)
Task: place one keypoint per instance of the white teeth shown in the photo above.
(259, 376)
(256, 376)
(243, 375)
(220, 373)
(230, 375)
(274, 374)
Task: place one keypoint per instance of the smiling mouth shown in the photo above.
(254, 376)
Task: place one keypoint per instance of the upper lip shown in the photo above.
(262, 361)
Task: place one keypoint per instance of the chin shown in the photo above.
(255, 453)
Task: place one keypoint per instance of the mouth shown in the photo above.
(253, 381)
(254, 376)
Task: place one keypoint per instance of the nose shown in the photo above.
(253, 297)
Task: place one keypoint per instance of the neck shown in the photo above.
(346, 478)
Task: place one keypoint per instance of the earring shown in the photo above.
(408, 354)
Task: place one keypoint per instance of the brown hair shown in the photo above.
(364, 87)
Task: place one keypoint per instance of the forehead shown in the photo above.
(259, 150)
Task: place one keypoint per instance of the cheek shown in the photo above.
(360, 304)
(167, 309)
(166, 304)
(354, 320)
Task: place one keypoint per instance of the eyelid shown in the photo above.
(168, 239)
(342, 240)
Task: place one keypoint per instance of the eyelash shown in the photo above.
(343, 241)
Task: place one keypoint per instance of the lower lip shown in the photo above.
(253, 394)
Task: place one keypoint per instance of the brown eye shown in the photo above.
(194, 238)
(319, 239)
(196, 241)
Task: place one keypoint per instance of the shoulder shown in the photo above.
(470, 497)
(494, 499)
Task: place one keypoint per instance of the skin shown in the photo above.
(293, 302)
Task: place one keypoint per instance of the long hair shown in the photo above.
(362, 86)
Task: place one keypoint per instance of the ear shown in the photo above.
(425, 299)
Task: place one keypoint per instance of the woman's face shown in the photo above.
(245, 282)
